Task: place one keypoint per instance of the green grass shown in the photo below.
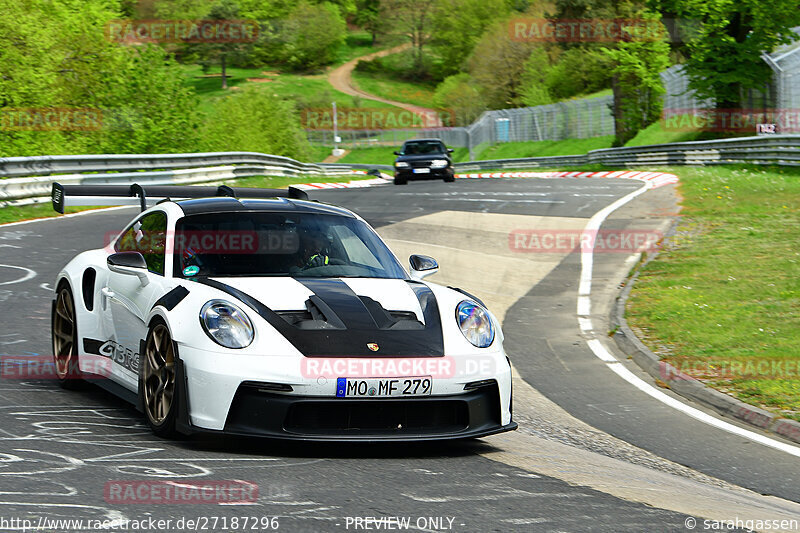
(388, 87)
(45, 210)
(724, 296)
(318, 153)
(28, 212)
(313, 89)
(661, 133)
(544, 148)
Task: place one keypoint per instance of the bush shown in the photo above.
(579, 71)
(460, 94)
(253, 120)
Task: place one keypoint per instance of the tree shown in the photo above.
(636, 80)
(497, 65)
(208, 53)
(724, 58)
(534, 78)
(459, 95)
(54, 55)
(456, 27)
(368, 16)
(312, 35)
(411, 18)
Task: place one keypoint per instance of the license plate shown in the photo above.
(422, 171)
(383, 387)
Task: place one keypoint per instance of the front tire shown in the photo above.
(400, 181)
(158, 384)
(64, 332)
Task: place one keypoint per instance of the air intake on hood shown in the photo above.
(318, 315)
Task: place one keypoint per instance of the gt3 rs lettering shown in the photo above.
(125, 357)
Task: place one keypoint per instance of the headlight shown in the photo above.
(475, 323)
(439, 163)
(401, 164)
(226, 324)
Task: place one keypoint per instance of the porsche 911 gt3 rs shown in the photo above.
(258, 312)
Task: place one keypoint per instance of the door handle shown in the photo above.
(107, 293)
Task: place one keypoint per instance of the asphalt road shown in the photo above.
(60, 449)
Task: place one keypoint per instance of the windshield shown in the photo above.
(280, 244)
(423, 147)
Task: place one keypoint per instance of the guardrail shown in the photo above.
(766, 150)
(239, 165)
(11, 167)
(32, 177)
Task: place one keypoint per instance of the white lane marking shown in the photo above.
(584, 310)
(628, 376)
(29, 274)
(46, 286)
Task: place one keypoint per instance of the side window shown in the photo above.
(148, 237)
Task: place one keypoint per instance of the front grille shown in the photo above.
(258, 411)
(377, 415)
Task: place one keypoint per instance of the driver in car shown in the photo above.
(315, 251)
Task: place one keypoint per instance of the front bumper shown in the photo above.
(261, 413)
(235, 394)
(435, 174)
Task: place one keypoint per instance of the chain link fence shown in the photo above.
(582, 118)
(574, 119)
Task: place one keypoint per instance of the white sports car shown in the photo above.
(258, 312)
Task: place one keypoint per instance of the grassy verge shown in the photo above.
(45, 210)
(390, 88)
(544, 148)
(722, 302)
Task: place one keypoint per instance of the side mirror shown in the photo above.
(449, 150)
(129, 263)
(422, 266)
(397, 153)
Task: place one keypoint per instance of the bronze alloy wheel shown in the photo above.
(63, 325)
(158, 375)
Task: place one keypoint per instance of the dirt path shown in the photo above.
(341, 80)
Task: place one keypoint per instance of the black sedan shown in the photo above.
(423, 159)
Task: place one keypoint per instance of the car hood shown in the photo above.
(422, 157)
(344, 317)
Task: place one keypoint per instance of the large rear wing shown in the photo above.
(146, 196)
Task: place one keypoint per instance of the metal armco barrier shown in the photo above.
(32, 177)
(19, 189)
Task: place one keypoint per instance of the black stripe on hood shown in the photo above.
(353, 325)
